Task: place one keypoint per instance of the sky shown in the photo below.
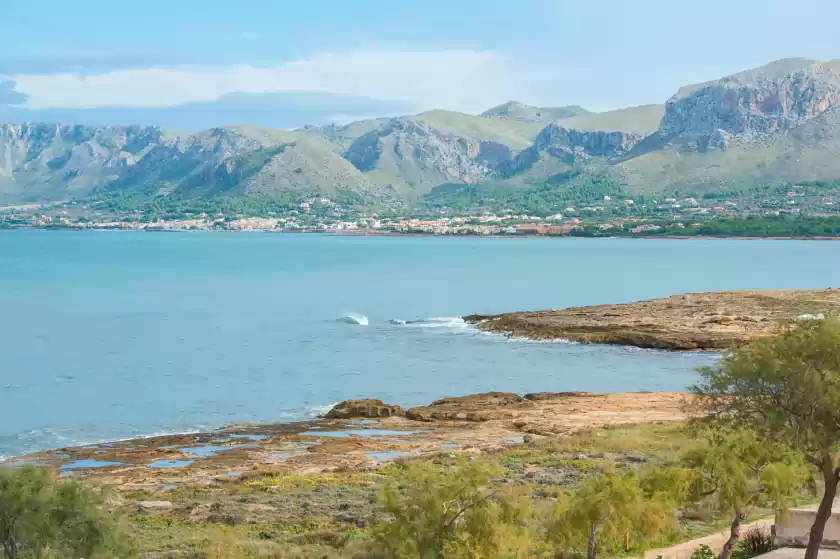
(464, 55)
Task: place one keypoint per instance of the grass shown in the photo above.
(329, 515)
(643, 119)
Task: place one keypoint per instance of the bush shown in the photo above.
(755, 542)
(703, 552)
(451, 512)
(40, 517)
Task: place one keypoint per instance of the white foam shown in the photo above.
(353, 318)
(433, 322)
(320, 411)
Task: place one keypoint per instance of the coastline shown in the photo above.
(369, 435)
(376, 233)
(688, 322)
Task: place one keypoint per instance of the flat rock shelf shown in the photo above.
(690, 321)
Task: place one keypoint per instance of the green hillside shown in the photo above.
(643, 119)
(514, 133)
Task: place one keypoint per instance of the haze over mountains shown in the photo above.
(780, 122)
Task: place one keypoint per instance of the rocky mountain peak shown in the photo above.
(575, 146)
(750, 104)
(405, 142)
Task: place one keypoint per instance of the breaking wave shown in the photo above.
(434, 322)
(352, 318)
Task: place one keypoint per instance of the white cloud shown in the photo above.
(455, 79)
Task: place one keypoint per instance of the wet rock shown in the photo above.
(369, 408)
(476, 407)
(539, 396)
(537, 429)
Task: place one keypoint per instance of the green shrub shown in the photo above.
(40, 517)
(754, 543)
(451, 512)
(703, 552)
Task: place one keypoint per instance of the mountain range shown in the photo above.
(777, 123)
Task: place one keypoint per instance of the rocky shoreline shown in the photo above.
(356, 435)
(692, 321)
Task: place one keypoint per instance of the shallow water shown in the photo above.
(170, 463)
(347, 433)
(82, 464)
(385, 456)
(110, 335)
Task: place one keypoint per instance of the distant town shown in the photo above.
(610, 216)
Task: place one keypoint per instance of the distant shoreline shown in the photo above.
(373, 233)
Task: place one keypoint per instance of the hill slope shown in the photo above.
(513, 110)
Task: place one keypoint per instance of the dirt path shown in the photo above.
(715, 542)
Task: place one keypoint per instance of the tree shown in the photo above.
(787, 388)
(737, 471)
(452, 512)
(40, 517)
(606, 508)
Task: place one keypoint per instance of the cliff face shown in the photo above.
(51, 160)
(751, 104)
(574, 147)
(419, 153)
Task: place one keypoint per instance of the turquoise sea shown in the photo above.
(108, 335)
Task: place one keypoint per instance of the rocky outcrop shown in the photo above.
(368, 408)
(751, 104)
(424, 153)
(574, 147)
(476, 407)
(681, 322)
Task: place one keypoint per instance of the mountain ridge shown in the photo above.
(776, 122)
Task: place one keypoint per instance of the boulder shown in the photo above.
(476, 407)
(154, 504)
(369, 408)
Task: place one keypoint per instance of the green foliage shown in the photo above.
(765, 226)
(42, 518)
(452, 512)
(754, 543)
(787, 388)
(606, 508)
(547, 198)
(703, 552)
(736, 471)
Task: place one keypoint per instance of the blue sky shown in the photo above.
(456, 54)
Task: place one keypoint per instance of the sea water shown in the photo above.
(110, 335)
